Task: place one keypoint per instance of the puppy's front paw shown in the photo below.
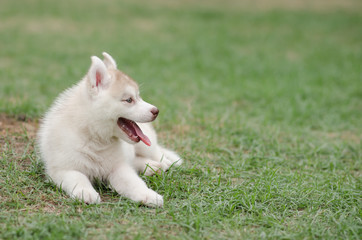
(152, 199)
(87, 195)
(147, 197)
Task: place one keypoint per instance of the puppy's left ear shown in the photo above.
(97, 75)
(109, 61)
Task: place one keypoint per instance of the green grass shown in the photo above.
(263, 103)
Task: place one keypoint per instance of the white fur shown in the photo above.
(79, 139)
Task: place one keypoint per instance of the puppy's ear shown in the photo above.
(109, 61)
(97, 75)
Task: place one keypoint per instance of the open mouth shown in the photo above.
(133, 131)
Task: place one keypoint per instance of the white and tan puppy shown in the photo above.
(99, 129)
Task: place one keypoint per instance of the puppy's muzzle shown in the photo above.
(154, 112)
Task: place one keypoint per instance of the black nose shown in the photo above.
(155, 111)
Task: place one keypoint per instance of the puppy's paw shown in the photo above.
(147, 197)
(152, 167)
(167, 163)
(171, 158)
(177, 162)
(152, 199)
(87, 195)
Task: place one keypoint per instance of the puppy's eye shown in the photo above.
(129, 100)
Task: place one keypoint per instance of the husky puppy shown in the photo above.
(100, 129)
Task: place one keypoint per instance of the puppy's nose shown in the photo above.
(155, 111)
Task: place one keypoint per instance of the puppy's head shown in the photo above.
(115, 98)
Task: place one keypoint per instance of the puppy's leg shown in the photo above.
(126, 182)
(76, 185)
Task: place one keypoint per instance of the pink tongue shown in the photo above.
(143, 137)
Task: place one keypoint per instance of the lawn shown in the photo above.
(263, 100)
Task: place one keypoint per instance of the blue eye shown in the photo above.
(129, 100)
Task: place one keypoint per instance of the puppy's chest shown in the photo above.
(101, 161)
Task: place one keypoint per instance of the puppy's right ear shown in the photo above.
(109, 61)
(98, 76)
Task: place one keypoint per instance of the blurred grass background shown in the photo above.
(300, 66)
